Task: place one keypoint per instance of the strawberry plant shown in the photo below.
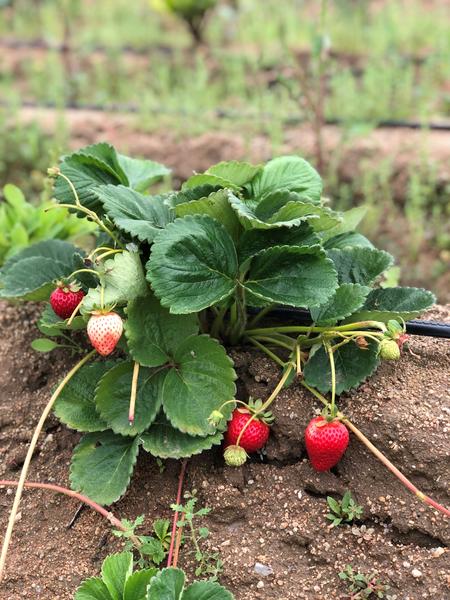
(119, 582)
(187, 273)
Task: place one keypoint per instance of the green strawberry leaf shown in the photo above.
(189, 195)
(204, 379)
(124, 281)
(320, 218)
(353, 366)
(141, 174)
(350, 219)
(345, 240)
(136, 585)
(75, 406)
(29, 274)
(141, 216)
(168, 584)
(360, 265)
(153, 333)
(254, 241)
(93, 589)
(394, 303)
(297, 276)
(348, 298)
(200, 179)
(281, 208)
(291, 173)
(50, 324)
(216, 206)
(116, 569)
(112, 398)
(57, 250)
(164, 441)
(207, 590)
(238, 173)
(102, 465)
(87, 169)
(44, 345)
(32, 278)
(193, 264)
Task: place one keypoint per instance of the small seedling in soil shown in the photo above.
(364, 586)
(153, 549)
(343, 511)
(208, 563)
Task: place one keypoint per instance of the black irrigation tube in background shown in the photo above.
(225, 114)
(413, 327)
(41, 44)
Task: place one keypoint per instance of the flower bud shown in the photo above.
(53, 171)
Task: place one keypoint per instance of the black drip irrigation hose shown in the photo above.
(222, 114)
(42, 44)
(413, 327)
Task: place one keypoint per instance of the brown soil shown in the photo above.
(271, 511)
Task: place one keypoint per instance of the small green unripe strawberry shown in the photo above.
(389, 349)
(235, 456)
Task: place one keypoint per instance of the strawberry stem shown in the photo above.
(287, 343)
(176, 513)
(333, 378)
(381, 457)
(134, 383)
(29, 456)
(74, 314)
(269, 400)
(88, 212)
(62, 490)
(108, 253)
(266, 350)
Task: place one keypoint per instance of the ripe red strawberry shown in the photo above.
(254, 437)
(65, 298)
(325, 442)
(104, 330)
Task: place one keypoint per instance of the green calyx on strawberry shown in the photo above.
(65, 298)
(235, 456)
(326, 441)
(252, 437)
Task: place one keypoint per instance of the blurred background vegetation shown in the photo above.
(360, 87)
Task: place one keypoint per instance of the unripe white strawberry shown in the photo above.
(104, 331)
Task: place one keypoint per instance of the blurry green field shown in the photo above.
(246, 54)
(385, 61)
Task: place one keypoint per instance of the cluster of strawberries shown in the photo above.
(326, 439)
(104, 328)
